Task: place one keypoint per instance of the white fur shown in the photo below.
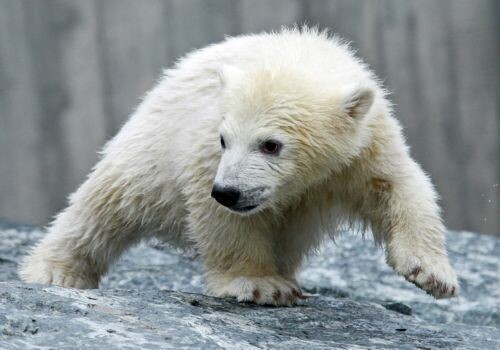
(344, 160)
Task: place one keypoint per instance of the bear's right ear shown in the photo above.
(229, 74)
(357, 100)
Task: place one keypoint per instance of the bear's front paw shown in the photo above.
(269, 290)
(45, 272)
(435, 276)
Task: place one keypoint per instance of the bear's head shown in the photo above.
(283, 131)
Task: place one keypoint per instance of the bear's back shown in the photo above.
(308, 49)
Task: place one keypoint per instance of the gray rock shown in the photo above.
(154, 298)
(398, 307)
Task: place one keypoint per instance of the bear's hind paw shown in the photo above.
(43, 272)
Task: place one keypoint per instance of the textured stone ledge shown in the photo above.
(357, 302)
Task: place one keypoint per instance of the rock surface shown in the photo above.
(153, 298)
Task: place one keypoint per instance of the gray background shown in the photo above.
(72, 71)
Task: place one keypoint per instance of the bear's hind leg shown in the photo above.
(100, 223)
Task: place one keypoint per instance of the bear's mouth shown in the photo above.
(244, 209)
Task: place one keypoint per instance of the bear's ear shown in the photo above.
(229, 74)
(357, 100)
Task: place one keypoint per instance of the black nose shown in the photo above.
(226, 196)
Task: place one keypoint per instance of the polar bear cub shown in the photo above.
(251, 151)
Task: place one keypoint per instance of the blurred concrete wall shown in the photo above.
(72, 71)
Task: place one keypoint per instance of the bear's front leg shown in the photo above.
(404, 212)
(241, 263)
(270, 289)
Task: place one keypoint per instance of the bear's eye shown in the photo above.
(271, 147)
(222, 143)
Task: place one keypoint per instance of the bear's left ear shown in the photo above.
(229, 74)
(357, 100)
